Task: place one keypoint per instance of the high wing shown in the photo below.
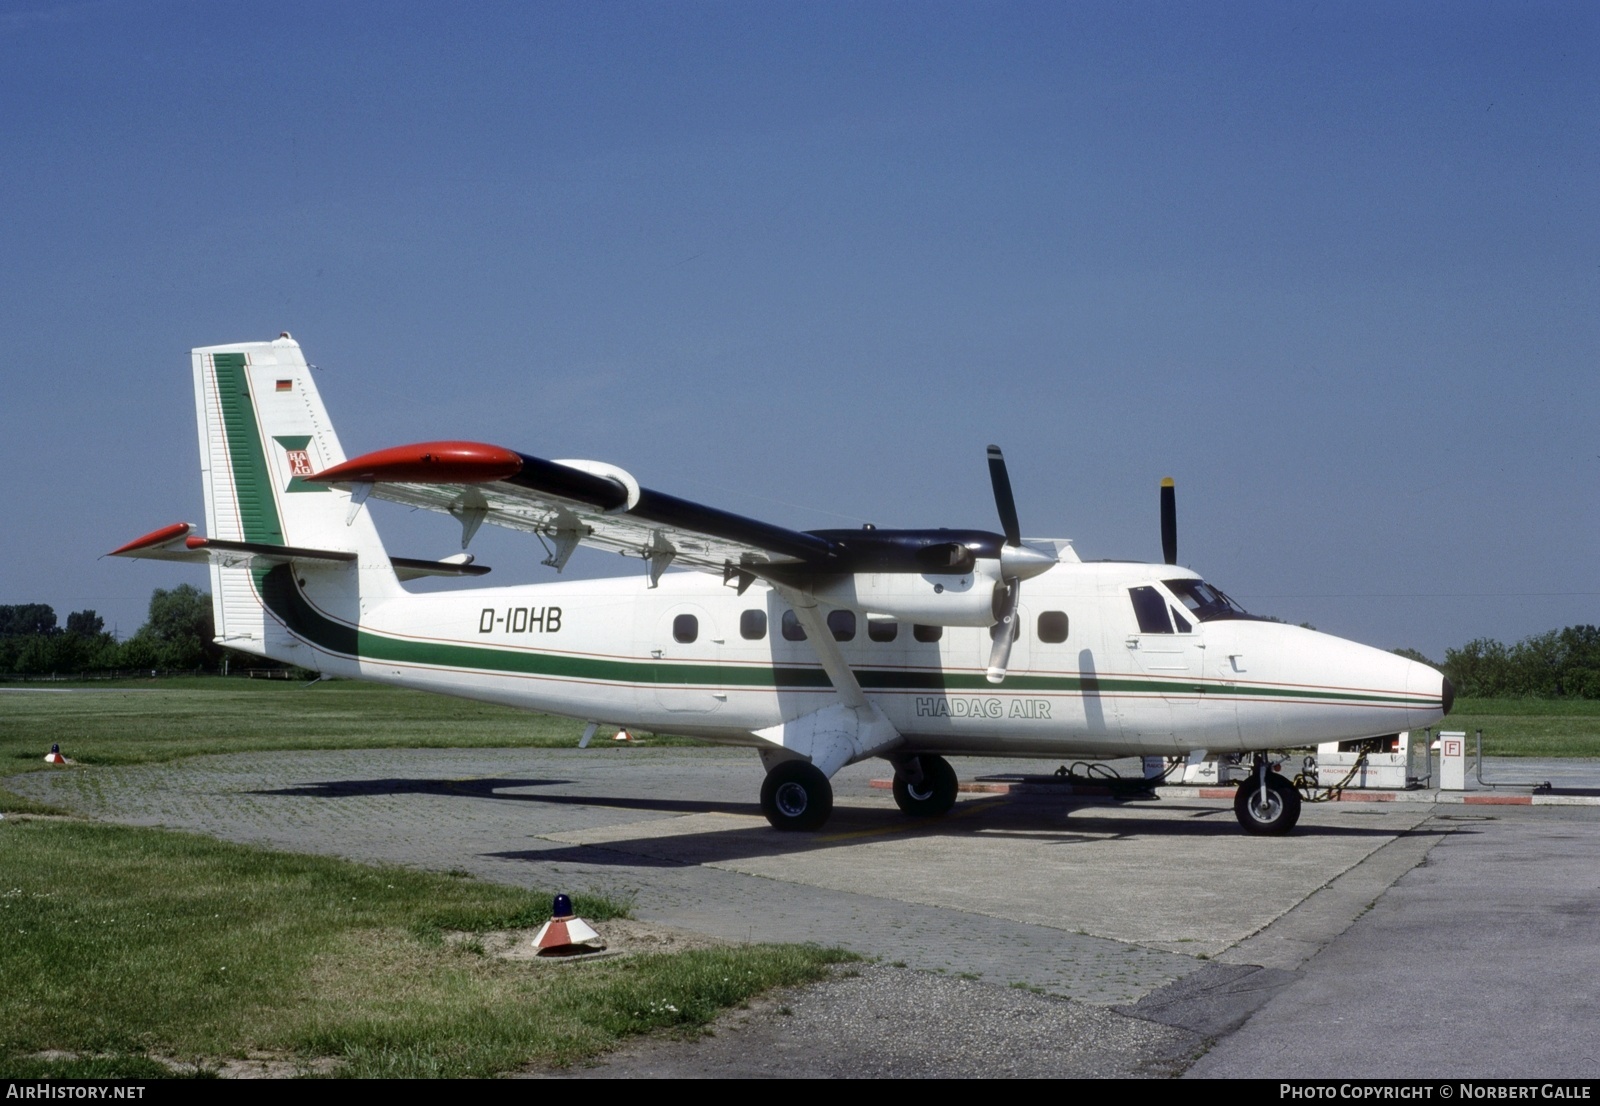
(568, 503)
(572, 503)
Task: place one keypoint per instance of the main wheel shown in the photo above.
(796, 796)
(934, 796)
(1274, 813)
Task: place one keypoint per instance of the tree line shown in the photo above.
(176, 635)
(1561, 664)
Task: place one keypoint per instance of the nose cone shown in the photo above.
(1430, 684)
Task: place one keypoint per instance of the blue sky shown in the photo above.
(1333, 267)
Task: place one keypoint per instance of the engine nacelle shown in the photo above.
(968, 599)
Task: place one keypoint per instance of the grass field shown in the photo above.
(131, 948)
(139, 721)
(127, 722)
(1530, 727)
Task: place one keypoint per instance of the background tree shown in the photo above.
(27, 620)
(32, 644)
(1561, 664)
(178, 633)
(85, 624)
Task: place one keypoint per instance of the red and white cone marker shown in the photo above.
(54, 756)
(566, 934)
(623, 735)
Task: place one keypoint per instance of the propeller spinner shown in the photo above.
(1017, 563)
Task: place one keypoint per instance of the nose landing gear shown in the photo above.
(1266, 803)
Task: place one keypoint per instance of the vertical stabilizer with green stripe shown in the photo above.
(262, 430)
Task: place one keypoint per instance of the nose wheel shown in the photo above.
(796, 796)
(1266, 803)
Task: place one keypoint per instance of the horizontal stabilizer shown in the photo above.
(178, 542)
(165, 544)
(273, 554)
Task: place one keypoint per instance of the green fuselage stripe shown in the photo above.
(287, 602)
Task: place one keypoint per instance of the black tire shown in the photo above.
(936, 795)
(1274, 816)
(796, 796)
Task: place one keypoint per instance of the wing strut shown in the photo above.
(840, 733)
(826, 648)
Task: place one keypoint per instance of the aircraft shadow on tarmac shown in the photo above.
(501, 788)
(1062, 821)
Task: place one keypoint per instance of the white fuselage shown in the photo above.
(619, 652)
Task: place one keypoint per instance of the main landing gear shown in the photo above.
(1266, 803)
(796, 796)
(925, 786)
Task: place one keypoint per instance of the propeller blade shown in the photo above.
(1005, 629)
(1003, 499)
(1169, 521)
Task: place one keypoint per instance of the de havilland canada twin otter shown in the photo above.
(817, 648)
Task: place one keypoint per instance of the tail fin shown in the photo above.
(262, 430)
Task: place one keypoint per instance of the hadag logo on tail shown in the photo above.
(817, 648)
(298, 458)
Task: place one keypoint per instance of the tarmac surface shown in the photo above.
(1024, 934)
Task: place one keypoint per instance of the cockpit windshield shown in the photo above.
(1208, 604)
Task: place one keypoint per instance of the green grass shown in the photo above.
(122, 946)
(131, 722)
(1530, 727)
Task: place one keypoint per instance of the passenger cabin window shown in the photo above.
(882, 629)
(1151, 610)
(926, 633)
(685, 628)
(753, 625)
(842, 624)
(792, 630)
(1053, 627)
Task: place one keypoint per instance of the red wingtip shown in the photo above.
(426, 463)
(155, 537)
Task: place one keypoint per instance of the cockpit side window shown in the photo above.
(1151, 610)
